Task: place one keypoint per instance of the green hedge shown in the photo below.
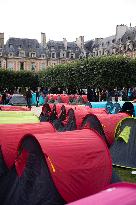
(11, 79)
(104, 72)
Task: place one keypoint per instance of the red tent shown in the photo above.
(11, 135)
(79, 162)
(120, 194)
(109, 123)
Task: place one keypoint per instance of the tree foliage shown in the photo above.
(98, 72)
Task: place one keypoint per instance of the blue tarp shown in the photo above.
(41, 99)
(103, 104)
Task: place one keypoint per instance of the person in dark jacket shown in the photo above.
(37, 98)
(4, 98)
(28, 98)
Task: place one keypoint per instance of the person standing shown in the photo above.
(28, 98)
(37, 98)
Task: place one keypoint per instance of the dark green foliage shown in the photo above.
(99, 72)
(103, 72)
(11, 79)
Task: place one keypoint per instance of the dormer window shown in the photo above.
(113, 41)
(108, 43)
(10, 45)
(22, 54)
(10, 54)
(72, 55)
(43, 56)
(33, 54)
(53, 55)
(62, 54)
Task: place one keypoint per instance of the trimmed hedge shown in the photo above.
(103, 72)
(11, 79)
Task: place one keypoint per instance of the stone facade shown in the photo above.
(28, 54)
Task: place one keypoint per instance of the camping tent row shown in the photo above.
(120, 193)
(123, 150)
(53, 168)
(68, 117)
(63, 98)
(17, 117)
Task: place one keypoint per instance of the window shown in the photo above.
(10, 65)
(42, 66)
(10, 54)
(21, 65)
(43, 56)
(53, 55)
(108, 43)
(62, 54)
(33, 55)
(10, 45)
(113, 41)
(72, 55)
(19, 46)
(0, 53)
(22, 54)
(33, 66)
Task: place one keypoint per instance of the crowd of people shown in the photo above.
(93, 95)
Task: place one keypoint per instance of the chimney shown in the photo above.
(1, 40)
(80, 42)
(65, 43)
(43, 39)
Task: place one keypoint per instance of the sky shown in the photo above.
(65, 18)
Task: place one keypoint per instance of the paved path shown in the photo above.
(36, 110)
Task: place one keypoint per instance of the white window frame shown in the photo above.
(32, 54)
(10, 54)
(54, 55)
(22, 52)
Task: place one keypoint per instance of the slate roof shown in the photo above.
(15, 45)
(28, 45)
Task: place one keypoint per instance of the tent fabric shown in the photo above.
(18, 119)
(17, 99)
(120, 194)
(14, 108)
(11, 135)
(76, 161)
(109, 123)
(91, 121)
(124, 154)
(34, 186)
(125, 134)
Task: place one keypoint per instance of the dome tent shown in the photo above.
(11, 135)
(75, 170)
(123, 151)
(91, 121)
(109, 123)
(18, 99)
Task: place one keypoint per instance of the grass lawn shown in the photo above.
(126, 174)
